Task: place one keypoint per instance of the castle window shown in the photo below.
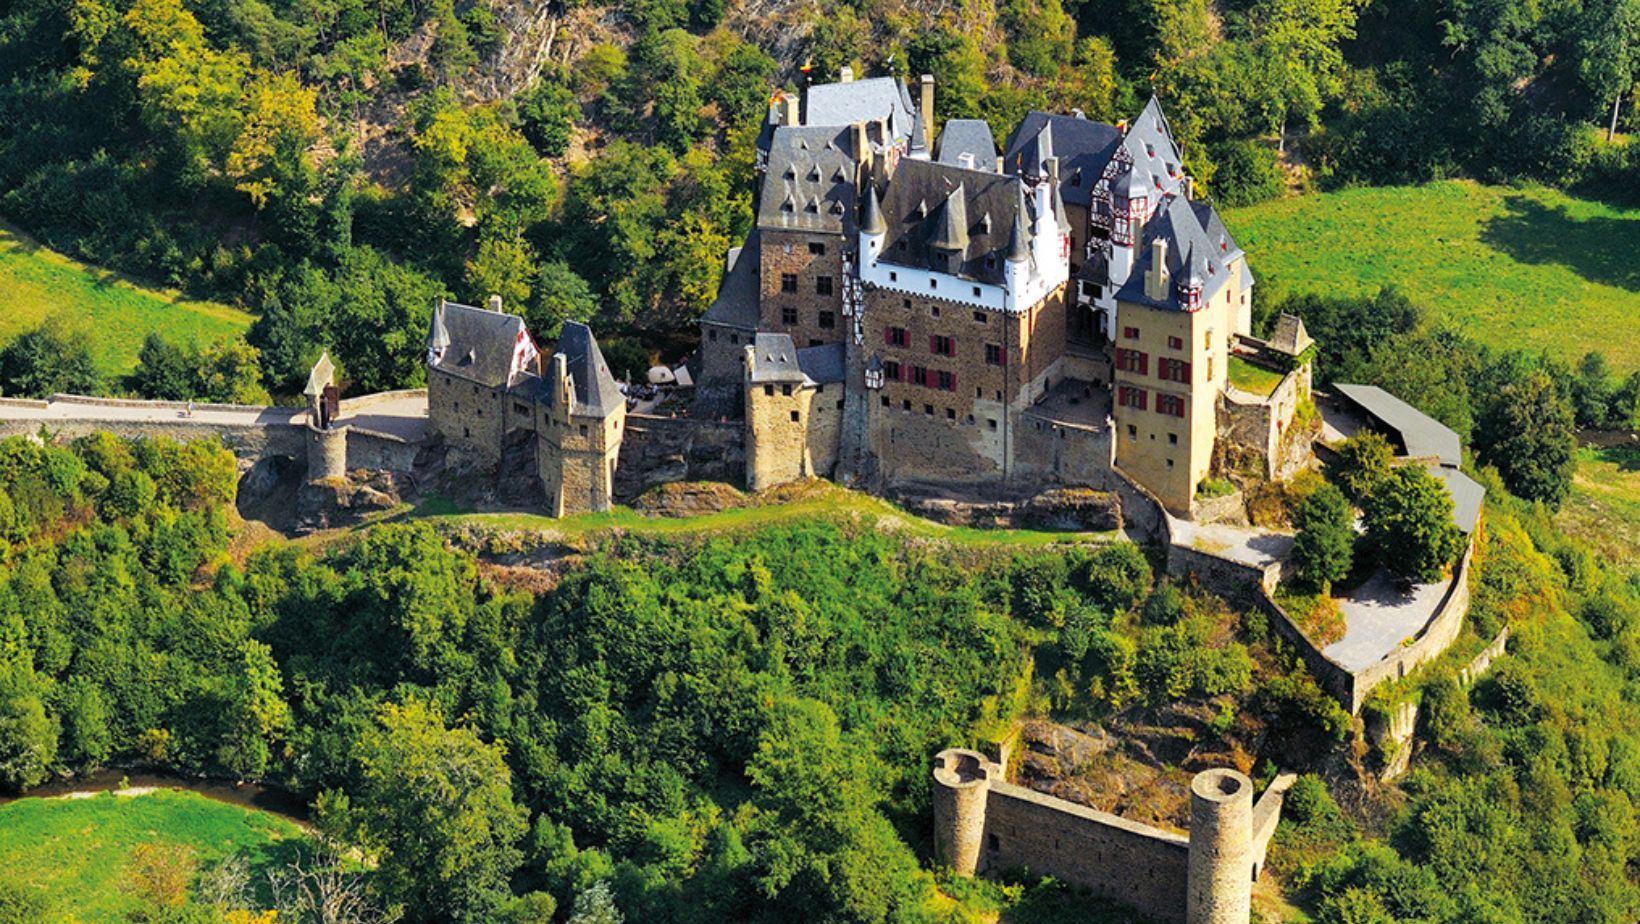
(885, 401)
(1173, 370)
(1170, 465)
(768, 391)
(950, 414)
(979, 393)
(521, 408)
(976, 291)
(1175, 343)
(788, 315)
(991, 839)
(981, 317)
(942, 345)
(1128, 396)
(788, 282)
(993, 354)
(905, 405)
(786, 391)
(991, 423)
(466, 432)
(814, 342)
(919, 376)
(711, 335)
(828, 320)
(934, 284)
(1133, 433)
(934, 310)
(1130, 333)
(898, 337)
(817, 249)
(583, 429)
(734, 338)
(891, 371)
(947, 381)
(794, 417)
(1173, 439)
(893, 276)
(455, 405)
(1210, 368)
(1171, 405)
(822, 285)
(1133, 361)
(839, 404)
(969, 420)
(928, 409)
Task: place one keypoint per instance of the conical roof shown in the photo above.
(438, 336)
(871, 221)
(1019, 249)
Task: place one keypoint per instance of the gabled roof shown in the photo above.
(596, 393)
(736, 304)
(810, 182)
(839, 105)
(478, 344)
(1191, 255)
(1421, 435)
(1155, 155)
(967, 136)
(774, 360)
(919, 212)
(1467, 496)
(1083, 147)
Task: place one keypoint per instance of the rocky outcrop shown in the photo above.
(663, 450)
(1068, 509)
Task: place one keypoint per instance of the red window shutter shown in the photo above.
(953, 381)
(933, 344)
(1184, 368)
(888, 336)
(951, 346)
(1144, 363)
(1144, 399)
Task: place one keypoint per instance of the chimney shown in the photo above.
(1156, 279)
(788, 109)
(1053, 172)
(926, 99)
(1189, 185)
(560, 380)
(846, 75)
(495, 303)
(862, 149)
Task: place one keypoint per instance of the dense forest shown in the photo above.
(739, 727)
(334, 166)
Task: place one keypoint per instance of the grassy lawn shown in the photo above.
(1256, 379)
(1527, 267)
(36, 283)
(74, 850)
(1604, 509)
(818, 499)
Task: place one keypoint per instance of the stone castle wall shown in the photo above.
(788, 252)
(471, 419)
(661, 450)
(793, 432)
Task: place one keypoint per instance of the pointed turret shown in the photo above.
(1019, 247)
(438, 336)
(871, 220)
(951, 228)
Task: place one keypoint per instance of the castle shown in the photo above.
(914, 310)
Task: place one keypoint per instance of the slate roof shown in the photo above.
(736, 304)
(916, 207)
(842, 104)
(1083, 147)
(596, 393)
(478, 343)
(1155, 156)
(1421, 435)
(822, 365)
(967, 136)
(1190, 253)
(1467, 496)
(810, 182)
(774, 360)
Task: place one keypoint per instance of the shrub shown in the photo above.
(1324, 547)
(1248, 173)
(1409, 523)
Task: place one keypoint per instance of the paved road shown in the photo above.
(1379, 616)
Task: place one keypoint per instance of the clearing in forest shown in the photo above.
(1526, 267)
(36, 282)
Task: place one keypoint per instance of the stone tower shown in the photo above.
(962, 784)
(579, 434)
(1220, 888)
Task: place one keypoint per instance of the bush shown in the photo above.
(1409, 524)
(1248, 173)
(1324, 547)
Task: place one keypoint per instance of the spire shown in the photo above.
(871, 222)
(951, 231)
(438, 336)
(1019, 249)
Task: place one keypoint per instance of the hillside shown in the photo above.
(1525, 267)
(36, 282)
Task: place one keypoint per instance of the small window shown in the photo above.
(885, 401)
(993, 354)
(893, 276)
(768, 391)
(976, 291)
(1173, 439)
(905, 405)
(521, 408)
(786, 390)
(1175, 343)
(734, 338)
(934, 284)
(794, 417)
(991, 423)
(788, 316)
(981, 317)
(1130, 333)
(928, 409)
(991, 842)
(816, 248)
(822, 285)
(899, 337)
(788, 282)
(1133, 432)
(813, 342)
(950, 413)
(466, 432)
(711, 335)
(1170, 465)
(828, 320)
(891, 371)
(943, 346)
(934, 310)
(919, 376)
(947, 381)
(583, 429)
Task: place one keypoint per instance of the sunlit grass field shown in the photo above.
(1604, 509)
(1514, 268)
(36, 282)
(75, 851)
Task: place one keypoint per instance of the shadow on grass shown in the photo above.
(1599, 249)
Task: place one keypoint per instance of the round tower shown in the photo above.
(1220, 888)
(326, 453)
(961, 785)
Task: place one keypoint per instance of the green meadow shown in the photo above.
(1512, 267)
(74, 851)
(36, 282)
(1604, 509)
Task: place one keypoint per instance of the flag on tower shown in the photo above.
(524, 352)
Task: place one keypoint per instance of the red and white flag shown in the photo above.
(524, 353)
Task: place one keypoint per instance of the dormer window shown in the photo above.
(788, 205)
(1076, 178)
(814, 174)
(791, 173)
(1150, 150)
